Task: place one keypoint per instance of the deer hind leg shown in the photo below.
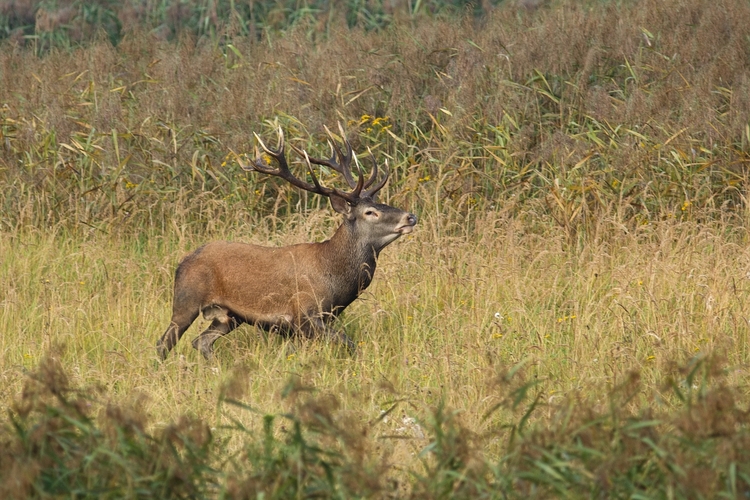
(181, 321)
(222, 322)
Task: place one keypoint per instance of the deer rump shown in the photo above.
(293, 289)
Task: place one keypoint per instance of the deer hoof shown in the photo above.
(352, 348)
(162, 351)
(350, 345)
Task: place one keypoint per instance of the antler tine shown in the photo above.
(283, 170)
(312, 173)
(347, 160)
(257, 164)
(350, 197)
(360, 177)
(372, 191)
(374, 172)
(344, 165)
(279, 144)
(331, 163)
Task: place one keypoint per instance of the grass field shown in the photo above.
(569, 318)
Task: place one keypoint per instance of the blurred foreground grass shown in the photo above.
(62, 440)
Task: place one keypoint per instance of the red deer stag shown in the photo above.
(297, 289)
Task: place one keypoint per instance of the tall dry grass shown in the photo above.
(638, 115)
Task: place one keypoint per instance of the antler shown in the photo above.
(343, 166)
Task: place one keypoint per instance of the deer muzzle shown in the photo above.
(408, 225)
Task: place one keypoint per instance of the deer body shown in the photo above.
(294, 289)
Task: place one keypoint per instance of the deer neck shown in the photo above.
(351, 260)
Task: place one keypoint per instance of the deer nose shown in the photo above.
(411, 219)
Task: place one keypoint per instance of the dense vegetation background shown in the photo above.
(569, 319)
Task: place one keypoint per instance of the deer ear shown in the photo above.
(340, 205)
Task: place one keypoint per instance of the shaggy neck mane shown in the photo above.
(354, 263)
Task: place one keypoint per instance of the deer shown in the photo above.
(293, 290)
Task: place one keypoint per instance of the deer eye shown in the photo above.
(370, 212)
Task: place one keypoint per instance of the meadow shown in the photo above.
(569, 318)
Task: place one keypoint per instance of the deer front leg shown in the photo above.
(317, 326)
(342, 338)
